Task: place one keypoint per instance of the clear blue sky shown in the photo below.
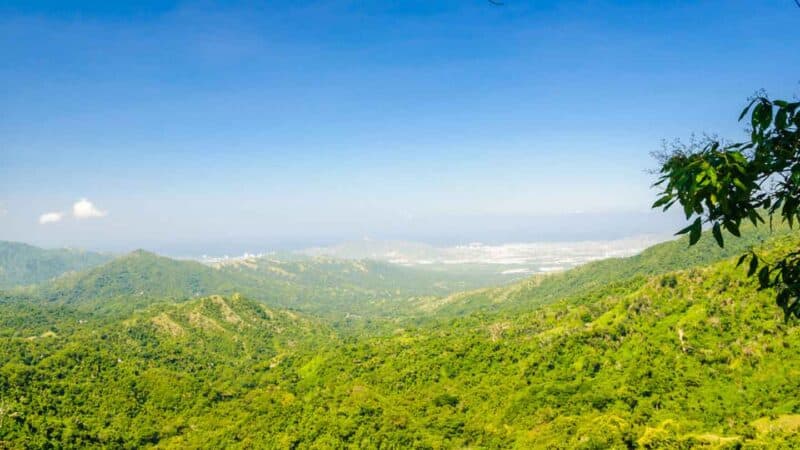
(265, 122)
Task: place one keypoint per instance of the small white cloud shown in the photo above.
(84, 209)
(50, 217)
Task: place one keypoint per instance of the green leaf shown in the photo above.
(755, 217)
(684, 230)
(747, 108)
(662, 201)
(753, 266)
(733, 229)
(741, 259)
(717, 232)
(781, 119)
(763, 277)
(766, 115)
(755, 118)
(695, 232)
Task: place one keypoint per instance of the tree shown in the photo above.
(721, 185)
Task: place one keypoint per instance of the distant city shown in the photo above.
(512, 258)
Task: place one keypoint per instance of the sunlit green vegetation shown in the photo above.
(334, 289)
(628, 353)
(543, 289)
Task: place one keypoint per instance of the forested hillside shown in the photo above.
(685, 358)
(320, 286)
(135, 279)
(22, 264)
(543, 289)
(353, 288)
(121, 383)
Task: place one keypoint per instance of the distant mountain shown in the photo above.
(321, 286)
(542, 289)
(135, 279)
(508, 258)
(326, 285)
(346, 288)
(23, 264)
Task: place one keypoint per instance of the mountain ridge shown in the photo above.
(696, 357)
(24, 264)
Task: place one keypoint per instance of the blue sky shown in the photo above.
(200, 123)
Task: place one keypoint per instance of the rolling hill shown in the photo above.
(130, 377)
(134, 280)
(360, 289)
(320, 285)
(689, 358)
(23, 264)
(543, 289)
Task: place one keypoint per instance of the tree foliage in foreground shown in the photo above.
(722, 185)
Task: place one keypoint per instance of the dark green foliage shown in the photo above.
(445, 400)
(727, 185)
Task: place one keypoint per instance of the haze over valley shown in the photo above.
(524, 258)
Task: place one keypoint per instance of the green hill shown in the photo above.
(120, 384)
(321, 286)
(134, 280)
(688, 359)
(23, 264)
(336, 287)
(694, 358)
(543, 289)
(357, 290)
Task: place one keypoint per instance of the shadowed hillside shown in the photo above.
(22, 264)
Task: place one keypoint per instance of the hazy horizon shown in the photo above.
(568, 228)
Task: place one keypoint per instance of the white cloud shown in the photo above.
(84, 209)
(50, 217)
